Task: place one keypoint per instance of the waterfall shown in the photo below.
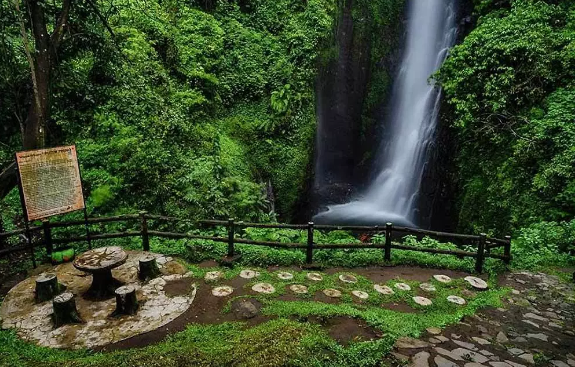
(392, 196)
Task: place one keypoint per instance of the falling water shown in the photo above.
(392, 195)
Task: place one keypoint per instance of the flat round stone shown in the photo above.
(103, 258)
(402, 286)
(298, 288)
(314, 276)
(476, 283)
(456, 299)
(346, 278)
(360, 294)
(333, 293)
(383, 289)
(266, 288)
(284, 275)
(223, 291)
(213, 276)
(428, 287)
(442, 278)
(422, 301)
(249, 274)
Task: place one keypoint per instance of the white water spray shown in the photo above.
(392, 195)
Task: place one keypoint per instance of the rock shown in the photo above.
(442, 278)
(466, 345)
(456, 299)
(481, 340)
(400, 357)
(434, 341)
(455, 336)
(558, 363)
(555, 325)
(499, 364)
(528, 357)
(249, 274)
(502, 338)
(476, 283)
(298, 288)
(421, 359)
(245, 308)
(360, 294)
(442, 362)
(284, 275)
(447, 353)
(222, 291)
(473, 364)
(442, 338)
(514, 364)
(428, 287)
(482, 329)
(520, 281)
(213, 276)
(571, 362)
(531, 323)
(433, 330)
(422, 301)
(533, 316)
(314, 276)
(519, 339)
(333, 293)
(383, 289)
(346, 278)
(539, 336)
(515, 292)
(515, 351)
(265, 288)
(494, 358)
(486, 353)
(402, 286)
(467, 354)
(410, 343)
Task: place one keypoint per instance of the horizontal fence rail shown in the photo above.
(483, 243)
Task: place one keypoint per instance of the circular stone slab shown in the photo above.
(428, 287)
(223, 291)
(456, 299)
(314, 276)
(284, 275)
(442, 278)
(383, 289)
(103, 258)
(249, 274)
(333, 293)
(266, 288)
(346, 278)
(212, 276)
(360, 294)
(298, 288)
(33, 322)
(402, 286)
(476, 283)
(422, 301)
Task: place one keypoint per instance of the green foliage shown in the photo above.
(510, 84)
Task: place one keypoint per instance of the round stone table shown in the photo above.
(100, 262)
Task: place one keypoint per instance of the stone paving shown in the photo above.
(33, 321)
(536, 327)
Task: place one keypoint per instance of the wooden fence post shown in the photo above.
(480, 253)
(388, 228)
(144, 230)
(47, 236)
(231, 229)
(507, 250)
(309, 253)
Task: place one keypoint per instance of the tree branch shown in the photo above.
(56, 36)
(102, 18)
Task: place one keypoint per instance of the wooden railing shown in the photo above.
(484, 243)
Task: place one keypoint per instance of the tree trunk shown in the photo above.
(47, 287)
(148, 268)
(65, 311)
(126, 301)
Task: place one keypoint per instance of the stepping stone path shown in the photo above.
(402, 286)
(284, 275)
(539, 319)
(442, 278)
(249, 274)
(428, 287)
(298, 288)
(333, 293)
(265, 288)
(314, 276)
(348, 278)
(477, 283)
(212, 276)
(222, 291)
(422, 301)
(360, 294)
(456, 299)
(383, 289)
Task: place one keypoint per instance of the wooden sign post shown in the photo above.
(50, 184)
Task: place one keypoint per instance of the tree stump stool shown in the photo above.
(100, 262)
(148, 268)
(65, 311)
(126, 301)
(47, 287)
